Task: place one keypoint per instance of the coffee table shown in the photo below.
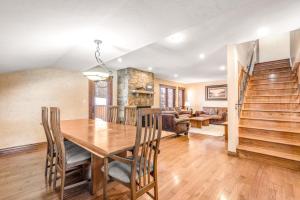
(198, 122)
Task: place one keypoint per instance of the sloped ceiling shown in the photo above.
(60, 33)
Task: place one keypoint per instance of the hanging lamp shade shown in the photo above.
(99, 72)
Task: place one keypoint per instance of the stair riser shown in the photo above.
(294, 165)
(274, 86)
(273, 63)
(271, 115)
(267, 124)
(272, 70)
(277, 134)
(268, 106)
(293, 91)
(269, 81)
(292, 99)
(273, 76)
(270, 145)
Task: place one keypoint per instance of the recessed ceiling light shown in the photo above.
(202, 56)
(222, 67)
(120, 60)
(175, 75)
(176, 38)
(149, 68)
(263, 31)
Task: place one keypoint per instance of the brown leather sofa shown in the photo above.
(218, 114)
(172, 122)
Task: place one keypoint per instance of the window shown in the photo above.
(167, 96)
(100, 93)
(181, 99)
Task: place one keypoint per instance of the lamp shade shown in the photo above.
(97, 73)
(187, 104)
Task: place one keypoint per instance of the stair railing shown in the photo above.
(246, 77)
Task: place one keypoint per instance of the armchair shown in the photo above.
(172, 122)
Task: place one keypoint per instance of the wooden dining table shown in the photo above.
(101, 139)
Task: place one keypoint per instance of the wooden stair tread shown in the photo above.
(271, 102)
(268, 78)
(281, 129)
(262, 110)
(270, 69)
(266, 138)
(269, 152)
(271, 95)
(271, 83)
(271, 119)
(295, 87)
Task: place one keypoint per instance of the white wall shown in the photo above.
(274, 47)
(232, 79)
(195, 95)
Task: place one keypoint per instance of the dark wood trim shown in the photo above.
(91, 99)
(183, 97)
(110, 91)
(22, 148)
(167, 86)
(231, 153)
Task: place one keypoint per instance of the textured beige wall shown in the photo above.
(158, 82)
(195, 95)
(23, 93)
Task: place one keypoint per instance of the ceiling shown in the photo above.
(59, 33)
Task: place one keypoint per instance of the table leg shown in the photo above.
(97, 175)
(105, 178)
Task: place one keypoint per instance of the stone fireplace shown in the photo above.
(132, 89)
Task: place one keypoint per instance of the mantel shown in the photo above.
(137, 92)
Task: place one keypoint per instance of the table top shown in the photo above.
(99, 137)
(200, 118)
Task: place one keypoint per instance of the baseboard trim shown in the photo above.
(22, 148)
(231, 153)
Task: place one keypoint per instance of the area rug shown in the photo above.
(213, 130)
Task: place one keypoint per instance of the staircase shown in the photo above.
(269, 128)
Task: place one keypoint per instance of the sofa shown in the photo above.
(218, 114)
(171, 121)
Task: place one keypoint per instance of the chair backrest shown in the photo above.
(101, 112)
(130, 113)
(112, 114)
(58, 138)
(49, 136)
(146, 147)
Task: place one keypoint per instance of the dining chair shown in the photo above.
(50, 145)
(139, 171)
(67, 159)
(50, 155)
(112, 114)
(130, 113)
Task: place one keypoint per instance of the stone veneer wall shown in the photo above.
(130, 79)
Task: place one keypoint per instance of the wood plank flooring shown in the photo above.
(193, 167)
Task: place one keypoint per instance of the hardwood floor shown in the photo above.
(193, 167)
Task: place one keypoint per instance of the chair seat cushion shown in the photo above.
(76, 154)
(122, 171)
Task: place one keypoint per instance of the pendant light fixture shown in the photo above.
(99, 72)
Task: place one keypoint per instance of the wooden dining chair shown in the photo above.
(67, 159)
(139, 172)
(50, 145)
(130, 114)
(112, 114)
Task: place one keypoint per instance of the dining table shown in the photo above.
(102, 139)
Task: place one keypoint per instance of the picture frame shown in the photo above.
(216, 92)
